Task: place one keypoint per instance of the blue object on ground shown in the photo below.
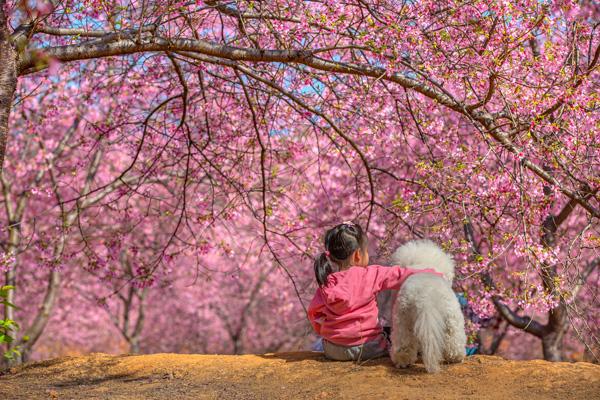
(470, 350)
(464, 305)
(318, 344)
(462, 300)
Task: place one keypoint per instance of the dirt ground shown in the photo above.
(293, 376)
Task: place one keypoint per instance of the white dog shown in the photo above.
(426, 315)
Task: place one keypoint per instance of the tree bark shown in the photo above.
(8, 78)
(552, 346)
(11, 279)
(36, 329)
(14, 239)
(134, 346)
(558, 323)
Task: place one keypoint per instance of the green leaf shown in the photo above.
(4, 291)
(8, 303)
(5, 338)
(8, 324)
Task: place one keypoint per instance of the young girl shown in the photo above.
(344, 310)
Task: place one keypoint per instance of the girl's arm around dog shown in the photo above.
(380, 278)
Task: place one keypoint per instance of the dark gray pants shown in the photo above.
(367, 351)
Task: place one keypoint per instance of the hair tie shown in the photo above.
(327, 253)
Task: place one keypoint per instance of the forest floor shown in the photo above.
(292, 376)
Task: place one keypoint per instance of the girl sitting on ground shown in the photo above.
(344, 309)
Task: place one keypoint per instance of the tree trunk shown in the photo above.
(12, 249)
(8, 78)
(14, 238)
(552, 346)
(8, 85)
(9, 313)
(134, 345)
(554, 332)
(36, 329)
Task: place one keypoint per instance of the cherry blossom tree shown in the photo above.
(471, 122)
(39, 224)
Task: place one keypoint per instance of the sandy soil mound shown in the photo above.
(292, 376)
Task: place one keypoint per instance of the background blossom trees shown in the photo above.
(175, 163)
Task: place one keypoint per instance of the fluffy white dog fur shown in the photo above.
(426, 315)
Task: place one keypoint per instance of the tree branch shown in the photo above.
(31, 62)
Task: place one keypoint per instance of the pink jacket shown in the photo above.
(344, 310)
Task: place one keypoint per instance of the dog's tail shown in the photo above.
(429, 331)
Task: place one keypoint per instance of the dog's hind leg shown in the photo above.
(404, 344)
(455, 340)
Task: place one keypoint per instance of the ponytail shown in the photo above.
(323, 268)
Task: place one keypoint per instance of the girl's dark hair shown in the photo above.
(341, 242)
